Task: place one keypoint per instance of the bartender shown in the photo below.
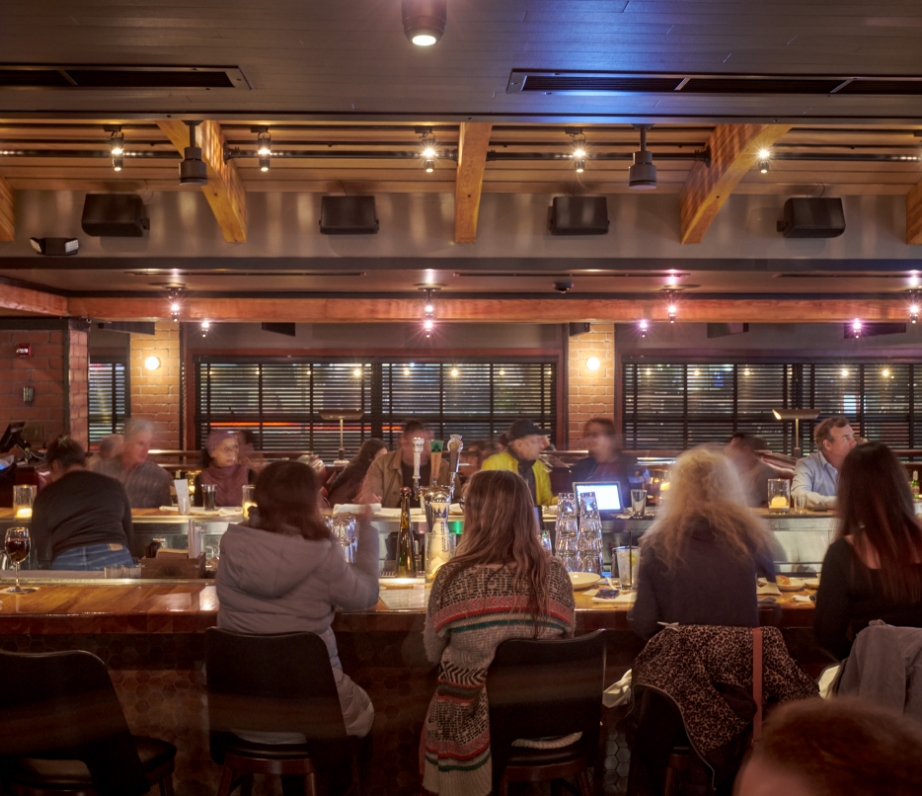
(606, 463)
(81, 520)
(388, 474)
(526, 441)
(817, 475)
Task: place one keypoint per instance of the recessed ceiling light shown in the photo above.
(424, 21)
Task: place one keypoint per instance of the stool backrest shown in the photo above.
(64, 703)
(541, 688)
(272, 683)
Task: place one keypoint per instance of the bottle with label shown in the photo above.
(406, 558)
(914, 484)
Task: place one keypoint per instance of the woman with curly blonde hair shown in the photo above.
(701, 556)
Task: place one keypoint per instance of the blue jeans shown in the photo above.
(93, 557)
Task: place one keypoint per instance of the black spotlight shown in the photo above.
(192, 170)
(424, 21)
(643, 173)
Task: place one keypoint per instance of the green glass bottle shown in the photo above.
(406, 559)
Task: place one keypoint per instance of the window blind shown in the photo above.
(108, 398)
(676, 405)
(279, 402)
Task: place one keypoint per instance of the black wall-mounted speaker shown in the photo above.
(581, 327)
(114, 215)
(348, 215)
(578, 215)
(812, 218)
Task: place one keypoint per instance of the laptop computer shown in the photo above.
(607, 496)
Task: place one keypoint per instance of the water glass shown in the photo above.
(248, 500)
(208, 497)
(344, 531)
(779, 495)
(638, 503)
(627, 560)
(800, 503)
(588, 506)
(23, 498)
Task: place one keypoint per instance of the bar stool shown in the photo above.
(274, 684)
(64, 732)
(543, 689)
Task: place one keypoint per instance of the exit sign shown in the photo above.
(24, 350)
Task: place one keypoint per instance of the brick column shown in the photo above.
(78, 396)
(155, 393)
(591, 393)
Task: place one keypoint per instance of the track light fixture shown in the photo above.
(206, 327)
(264, 163)
(913, 306)
(117, 142)
(764, 161)
(428, 151)
(643, 326)
(580, 165)
(856, 328)
(579, 150)
(429, 312)
(642, 176)
(192, 169)
(424, 21)
(117, 164)
(672, 308)
(175, 295)
(263, 144)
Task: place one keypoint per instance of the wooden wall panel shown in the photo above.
(734, 151)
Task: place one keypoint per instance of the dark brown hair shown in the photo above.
(608, 427)
(844, 745)
(822, 431)
(500, 527)
(876, 511)
(367, 453)
(287, 499)
(66, 451)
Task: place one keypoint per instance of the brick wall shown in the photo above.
(590, 393)
(155, 393)
(43, 371)
(78, 386)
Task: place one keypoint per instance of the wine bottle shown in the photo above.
(406, 559)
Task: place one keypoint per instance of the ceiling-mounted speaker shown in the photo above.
(114, 215)
(348, 215)
(578, 215)
(581, 327)
(812, 218)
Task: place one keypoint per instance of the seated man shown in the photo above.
(388, 474)
(817, 475)
(526, 441)
(147, 484)
(753, 472)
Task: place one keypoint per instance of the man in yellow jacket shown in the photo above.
(526, 441)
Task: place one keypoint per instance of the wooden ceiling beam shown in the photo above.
(225, 191)
(473, 141)
(512, 310)
(734, 151)
(7, 216)
(914, 215)
(24, 299)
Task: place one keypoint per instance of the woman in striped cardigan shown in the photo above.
(499, 585)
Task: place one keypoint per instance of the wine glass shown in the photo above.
(17, 545)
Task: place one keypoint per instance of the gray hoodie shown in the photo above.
(277, 583)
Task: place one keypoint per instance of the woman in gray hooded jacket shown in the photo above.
(284, 572)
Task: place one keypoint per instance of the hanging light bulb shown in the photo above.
(175, 305)
(117, 143)
(643, 326)
(579, 150)
(428, 326)
(117, 164)
(430, 307)
(673, 312)
(764, 161)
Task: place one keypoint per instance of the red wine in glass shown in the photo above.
(18, 544)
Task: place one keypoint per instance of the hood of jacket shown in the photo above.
(269, 564)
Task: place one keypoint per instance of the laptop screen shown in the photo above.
(607, 496)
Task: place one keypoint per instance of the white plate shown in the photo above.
(796, 584)
(812, 583)
(583, 580)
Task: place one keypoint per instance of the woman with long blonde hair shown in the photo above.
(701, 556)
(500, 584)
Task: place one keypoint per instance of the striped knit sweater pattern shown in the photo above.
(465, 624)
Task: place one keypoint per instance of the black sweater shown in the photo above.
(80, 509)
(847, 601)
(710, 586)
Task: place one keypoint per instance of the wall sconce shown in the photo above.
(28, 394)
(152, 363)
(593, 363)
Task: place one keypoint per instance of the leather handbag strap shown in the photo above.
(757, 682)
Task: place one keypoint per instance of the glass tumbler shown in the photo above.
(208, 497)
(23, 498)
(638, 503)
(779, 495)
(627, 560)
(248, 499)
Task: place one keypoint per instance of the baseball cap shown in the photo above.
(524, 428)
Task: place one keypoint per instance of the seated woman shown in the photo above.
(344, 487)
(223, 470)
(81, 520)
(701, 556)
(499, 585)
(873, 570)
(283, 572)
(605, 462)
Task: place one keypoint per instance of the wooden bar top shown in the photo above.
(191, 607)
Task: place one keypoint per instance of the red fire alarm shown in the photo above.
(24, 350)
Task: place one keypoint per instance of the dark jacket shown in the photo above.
(385, 478)
(345, 486)
(710, 586)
